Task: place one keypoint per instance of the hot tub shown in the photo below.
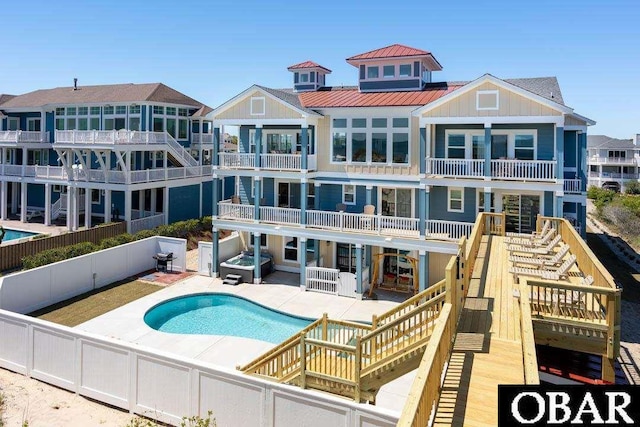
(243, 266)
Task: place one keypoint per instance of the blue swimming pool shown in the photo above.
(223, 314)
(16, 234)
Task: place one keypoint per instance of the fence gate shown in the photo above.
(347, 284)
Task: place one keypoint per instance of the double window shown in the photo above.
(370, 140)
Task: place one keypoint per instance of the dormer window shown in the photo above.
(304, 78)
(373, 72)
(404, 70)
(389, 71)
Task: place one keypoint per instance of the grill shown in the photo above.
(164, 259)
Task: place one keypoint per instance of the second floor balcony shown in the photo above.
(271, 161)
(360, 223)
(13, 137)
(614, 160)
(501, 169)
(614, 175)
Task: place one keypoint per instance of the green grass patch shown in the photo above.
(87, 306)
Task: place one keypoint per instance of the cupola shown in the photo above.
(308, 76)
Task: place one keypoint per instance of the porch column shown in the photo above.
(165, 204)
(199, 201)
(215, 197)
(368, 195)
(215, 146)
(560, 153)
(23, 201)
(257, 185)
(422, 210)
(304, 144)
(303, 263)
(24, 161)
(367, 259)
(559, 204)
(258, 141)
(487, 199)
(14, 198)
(487, 150)
(127, 209)
(316, 206)
(582, 157)
(256, 259)
(47, 204)
(359, 270)
(215, 262)
(582, 218)
(107, 206)
(423, 270)
(423, 150)
(304, 194)
(141, 202)
(69, 207)
(87, 207)
(427, 202)
(3, 199)
(154, 200)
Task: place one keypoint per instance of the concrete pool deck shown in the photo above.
(126, 323)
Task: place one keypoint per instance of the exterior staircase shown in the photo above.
(353, 359)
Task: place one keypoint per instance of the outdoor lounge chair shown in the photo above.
(545, 228)
(33, 213)
(544, 250)
(544, 274)
(532, 240)
(542, 261)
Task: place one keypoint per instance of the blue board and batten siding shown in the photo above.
(438, 205)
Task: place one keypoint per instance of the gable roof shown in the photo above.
(546, 87)
(603, 141)
(307, 64)
(350, 97)
(128, 92)
(525, 87)
(4, 98)
(286, 96)
(392, 51)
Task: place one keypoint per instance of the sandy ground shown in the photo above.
(42, 405)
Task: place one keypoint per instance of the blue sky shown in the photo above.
(212, 50)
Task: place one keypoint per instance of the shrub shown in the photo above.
(632, 188)
(143, 234)
(601, 197)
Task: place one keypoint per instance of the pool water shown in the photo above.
(222, 314)
(16, 234)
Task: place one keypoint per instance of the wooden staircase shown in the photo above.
(352, 359)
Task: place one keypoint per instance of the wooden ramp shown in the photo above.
(488, 346)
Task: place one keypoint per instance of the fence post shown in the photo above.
(357, 367)
(303, 362)
(325, 317)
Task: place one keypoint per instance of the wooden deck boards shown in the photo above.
(488, 348)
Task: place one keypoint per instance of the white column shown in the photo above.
(200, 203)
(87, 208)
(23, 202)
(165, 203)
(76, 208)
(3, 199)
(141, 201)
(69, 208)
(14, 198)
(127, 209)
(107, 206)
(154, 200)
(47, 204)
(24, 161)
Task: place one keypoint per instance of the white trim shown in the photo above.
(498, 82)
(487, 92)
(257, 111)
(461, 189)
(487, 121)
(344, 192)
(260, 122)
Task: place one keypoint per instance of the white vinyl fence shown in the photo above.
(167, 387)
(227, 248)
(26, 291)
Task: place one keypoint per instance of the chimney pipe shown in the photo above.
(75, 83)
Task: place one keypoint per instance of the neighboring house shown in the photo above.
(424, 157)
(613, 162)
(109, 152)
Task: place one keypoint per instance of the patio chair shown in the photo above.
(531, 240)
(545, 228)
(542, 261)
(544, 250)
(367, 221)
(33, 213)
(561, 272)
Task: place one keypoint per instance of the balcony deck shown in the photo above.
(268, 161)
(501, 169)
(11, 138)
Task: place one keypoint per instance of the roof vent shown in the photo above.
(551, 95)
(75, 83)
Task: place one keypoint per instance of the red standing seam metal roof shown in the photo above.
(393, 51)
(351, 97)
(307, 64)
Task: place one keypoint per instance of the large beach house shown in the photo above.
(613, 162)
(381, 179)
(134, 152)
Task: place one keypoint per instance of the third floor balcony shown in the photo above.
(13, 137)
(271, 161)
(501, 169)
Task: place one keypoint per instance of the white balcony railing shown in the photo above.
(345, 222)
(456, 167)
(24, 136)
(525, 170)
(279, 161)
(114, 177)
(614, 175)
(572, 186)
(614, 160)
(202, 138)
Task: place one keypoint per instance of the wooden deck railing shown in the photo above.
(530, 360)
(425, 390)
